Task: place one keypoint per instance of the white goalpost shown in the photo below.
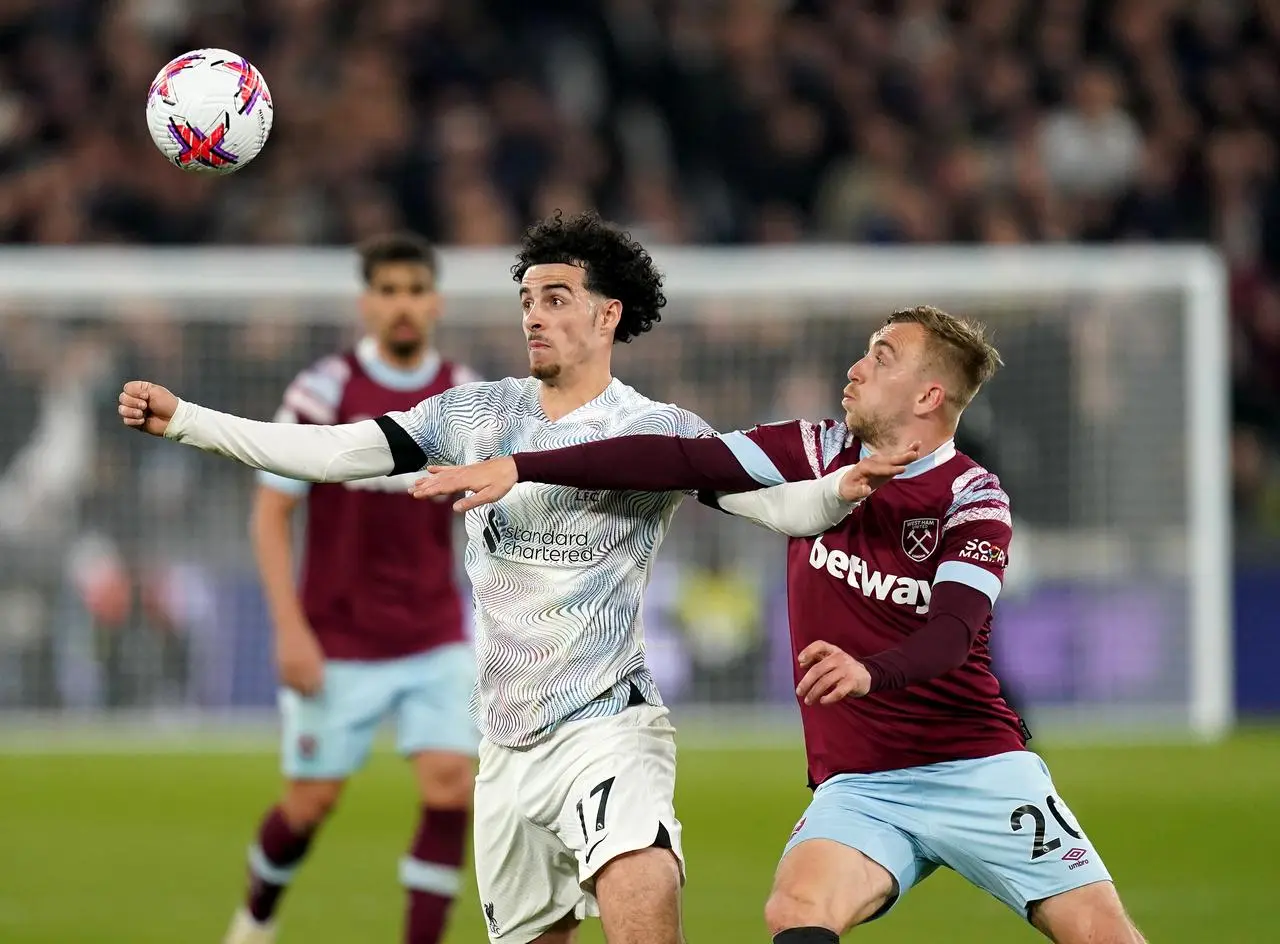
(1109, 427)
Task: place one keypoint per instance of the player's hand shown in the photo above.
(866, 476)
(833, 675)
(147, 406)
(486, 482)
(299, 660)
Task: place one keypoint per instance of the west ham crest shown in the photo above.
(307, 747)
(920, 537)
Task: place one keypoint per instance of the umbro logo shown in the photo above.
(1077, 857)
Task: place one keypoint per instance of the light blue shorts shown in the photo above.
(998, 821)
(328, 736)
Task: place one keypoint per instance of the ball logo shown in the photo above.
(920, 537)
(163, 84)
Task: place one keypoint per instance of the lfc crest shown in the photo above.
(920, 537)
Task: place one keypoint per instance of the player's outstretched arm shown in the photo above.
(649, 463)
(311, 453)
(668, 463)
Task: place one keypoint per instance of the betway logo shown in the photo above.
(853, 570)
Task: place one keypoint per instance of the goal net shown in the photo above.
(128, 587)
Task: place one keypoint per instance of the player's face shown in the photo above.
(400, 307)
(885, 384)
(565, 326)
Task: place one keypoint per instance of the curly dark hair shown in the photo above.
(616, 265)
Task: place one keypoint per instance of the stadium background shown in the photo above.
(123, 589)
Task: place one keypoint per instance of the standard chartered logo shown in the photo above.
(540, 547)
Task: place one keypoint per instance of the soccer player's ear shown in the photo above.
(608, 316)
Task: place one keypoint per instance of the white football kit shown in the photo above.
(558, 575)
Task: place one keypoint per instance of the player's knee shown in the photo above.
(446, 781)
(825, 884)
(308, 803)
(788, 908)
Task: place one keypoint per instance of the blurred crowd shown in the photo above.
(725, 121)
(885, 121)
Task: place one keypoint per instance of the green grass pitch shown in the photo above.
(121, 849)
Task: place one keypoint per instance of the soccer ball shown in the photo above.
(209, 111)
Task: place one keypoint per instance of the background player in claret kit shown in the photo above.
(376, 626)
(574, 801)
(916, 759)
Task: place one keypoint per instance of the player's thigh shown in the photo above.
(433, 697)
(1090, 914)
(527, 879)
(1000, 823)
(616, 794)
(638, 895)
(564, 931)
(328, 735)
(851, 857)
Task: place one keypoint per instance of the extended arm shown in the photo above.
(311, 453)
(643, 463)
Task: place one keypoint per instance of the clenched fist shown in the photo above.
(147, 406)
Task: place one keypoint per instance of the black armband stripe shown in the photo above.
(710, 498)
(405, 453)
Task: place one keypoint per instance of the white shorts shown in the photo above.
(548, 817)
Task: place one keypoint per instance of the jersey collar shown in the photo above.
(934, 459)
(396, 378)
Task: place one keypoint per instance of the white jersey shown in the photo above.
(557, 573)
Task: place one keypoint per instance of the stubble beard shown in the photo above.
(867, 428)
(545, 372)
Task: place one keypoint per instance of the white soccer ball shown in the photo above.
(209, 111)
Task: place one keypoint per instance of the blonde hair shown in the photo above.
(959, 346)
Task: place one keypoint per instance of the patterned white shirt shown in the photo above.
(557, 573)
